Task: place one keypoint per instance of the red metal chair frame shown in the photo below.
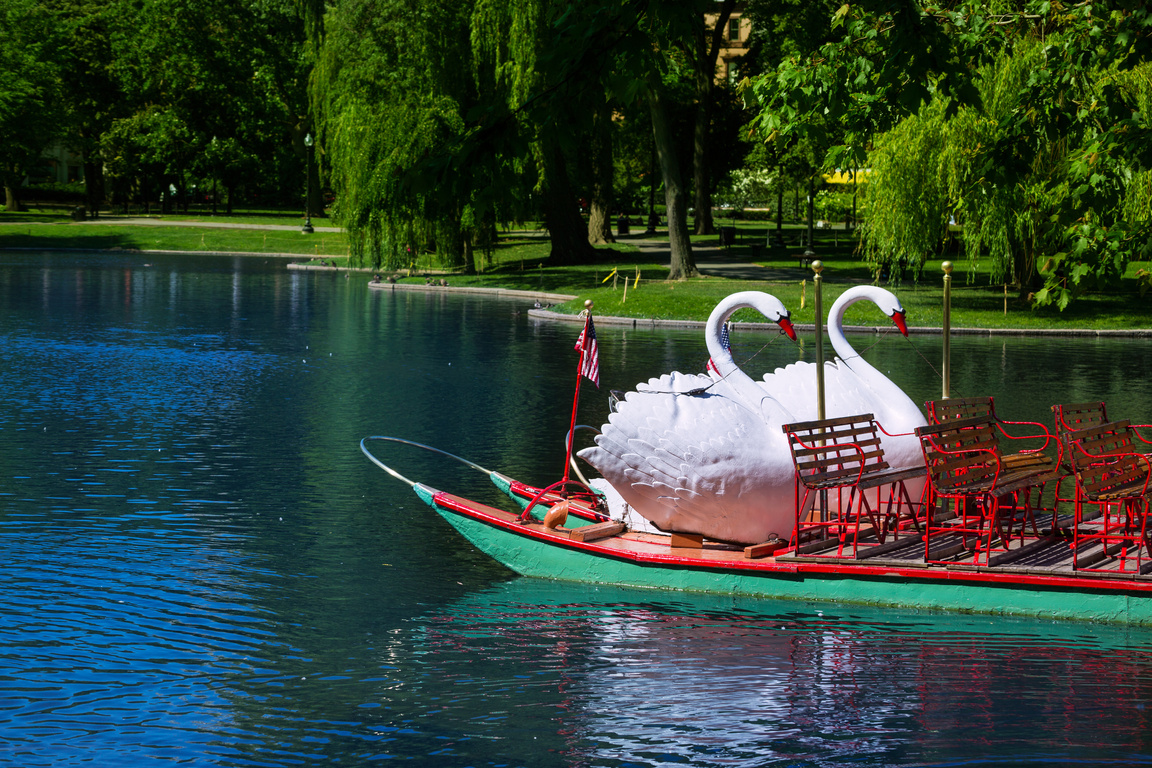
(1072, 417)
(956, 408)
(843, 456)
(1113, 477)
(988, 494)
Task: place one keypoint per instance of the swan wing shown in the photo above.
(675, 382)
(697, 464)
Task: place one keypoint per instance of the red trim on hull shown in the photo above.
(647, 549)
(578, 508)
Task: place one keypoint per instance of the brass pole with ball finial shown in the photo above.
(817, 284)
(947, 267)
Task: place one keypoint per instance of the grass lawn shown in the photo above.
(52, 232)
(520, 261)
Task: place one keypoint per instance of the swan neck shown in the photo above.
(721, 357)
(836, 336)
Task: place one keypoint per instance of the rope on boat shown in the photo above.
(401, 477)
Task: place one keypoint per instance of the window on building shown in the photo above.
(734, 29)
(733, 72)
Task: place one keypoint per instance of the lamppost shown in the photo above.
(215, 171)
(307, 229)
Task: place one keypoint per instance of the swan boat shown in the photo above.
(572, 531)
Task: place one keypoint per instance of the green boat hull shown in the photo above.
(533, 557)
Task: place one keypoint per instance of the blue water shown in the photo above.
(197, 566)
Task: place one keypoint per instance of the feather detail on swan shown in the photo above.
(713, 462)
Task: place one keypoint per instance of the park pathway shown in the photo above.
(156, 222)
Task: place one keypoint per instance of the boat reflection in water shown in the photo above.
(636, 677)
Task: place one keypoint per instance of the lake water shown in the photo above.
(198, 566)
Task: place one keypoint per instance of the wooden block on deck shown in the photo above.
(764, 549)
(689, 540)
(597, 531)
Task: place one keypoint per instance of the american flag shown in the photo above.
(590, 359)
(725, 343)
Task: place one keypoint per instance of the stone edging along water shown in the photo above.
(634, 322)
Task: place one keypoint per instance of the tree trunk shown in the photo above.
(600, 207)
(780, 216)
(811, 223)
(315, 201)
(93, 187)
(599, 223)
(566, 228)
(683, 266)
(469, 255)
(651, 230)
(707, 51)
(12, 198)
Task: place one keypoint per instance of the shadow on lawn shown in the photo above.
(94, 241)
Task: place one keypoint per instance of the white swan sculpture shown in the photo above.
(852, 385)
(700, 455)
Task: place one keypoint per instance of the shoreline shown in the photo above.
(655, 322)
(633, 322)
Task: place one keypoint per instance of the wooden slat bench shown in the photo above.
(845, 489)
(1073, 417)
(989, 496)
(1113, 476)
(959, 408)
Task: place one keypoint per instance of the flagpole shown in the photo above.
(576, 397)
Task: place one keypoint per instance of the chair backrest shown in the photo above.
(1105, 459)
(960, 452)
(954, 408)
(1072, 417)
(833, 451)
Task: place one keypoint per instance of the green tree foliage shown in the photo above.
(785, 32)
(194, 71)
(1032, 110)
(92, 98)
(907, 193)
(392, 108)
(31, 90)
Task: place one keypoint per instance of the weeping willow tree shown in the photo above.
(933, 168)
(432, 138)
(528, 63)
(1008, 196)
(1020, 178)
(1041, 149)
(392, 105)
(907, 195)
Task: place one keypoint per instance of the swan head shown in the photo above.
(891, 306)
(898, 318)
(881, 297)
(764, 303)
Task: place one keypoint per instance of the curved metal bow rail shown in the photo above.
(401, 477)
